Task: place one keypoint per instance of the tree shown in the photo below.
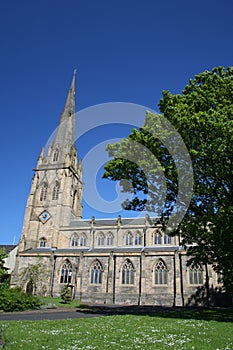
(4, 276)
(203, 115)
(66, 293)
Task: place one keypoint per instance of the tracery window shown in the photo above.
(110, 239)
(160, 272)
(43, 191)
(166, 239)
(43, 242)
(74, 240)
(138, 239)
(128, 238)
(96, 273)
(83, 240)
(66, 272)
(55, 155)
(127, 273)
(157, 237)
(56, 190)
(195, 274)
(100, 240)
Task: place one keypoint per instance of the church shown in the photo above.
(104, 261)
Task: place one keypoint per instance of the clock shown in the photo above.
(44, 216)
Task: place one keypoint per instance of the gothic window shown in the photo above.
(100, 239)
(96, 273)
(83, 240)
(138, 239)
(157, 237)
(43, 191)
(74, 240)
(56, 190)
(43, 242)
(160, 273)
(66, 272)
(195, 274)
(110, 239)
(127, 273)
(128, 238)
(166, 239)
(55, 155)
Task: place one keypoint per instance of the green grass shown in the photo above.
(165, 331)
(58, 302)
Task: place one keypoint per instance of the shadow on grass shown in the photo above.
(197, 313)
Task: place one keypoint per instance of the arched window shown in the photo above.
(127, 273)
(166, 239)
(128, 238)
(96, 273)
(43, 242)
(100, 239)
(160, 273)
(195, 274)
(74, 240)
(66, 272)
(110, 238)
(55, 155)
(157, 237)
(138, 239)
(83, 240)
(56, 190)
(43, 191)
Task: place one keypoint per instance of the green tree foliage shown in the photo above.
(13, 299)
(203, 116)
(66, 293)
(4, 276)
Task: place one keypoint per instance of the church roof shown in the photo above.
(8, 247)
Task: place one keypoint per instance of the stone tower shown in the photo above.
(56, 191)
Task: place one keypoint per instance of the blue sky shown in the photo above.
(123, 51)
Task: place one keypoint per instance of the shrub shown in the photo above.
(66, 293)
(13, 299)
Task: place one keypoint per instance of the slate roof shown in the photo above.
(8, 247)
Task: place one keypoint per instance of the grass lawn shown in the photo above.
(58, 302)
(171, 330)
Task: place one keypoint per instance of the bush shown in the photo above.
(13, 299)
(66, 293)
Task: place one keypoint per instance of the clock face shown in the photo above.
(44, 216)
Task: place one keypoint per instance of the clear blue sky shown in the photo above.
(123, 51)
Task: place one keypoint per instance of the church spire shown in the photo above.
(65, 134)
(69, 108)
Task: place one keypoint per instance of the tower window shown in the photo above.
(56, 191)
(43, 242)
(160, 273)
(127, 273)
(43, 191)
(96, 273)
(66, 272)
(55, 155)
